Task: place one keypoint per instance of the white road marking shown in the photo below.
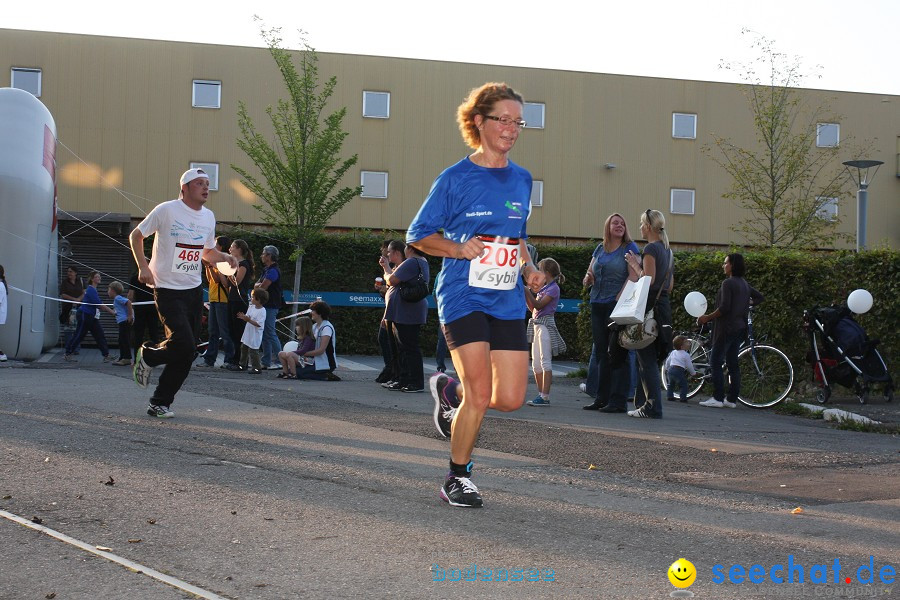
(352, 365)
(128, 564)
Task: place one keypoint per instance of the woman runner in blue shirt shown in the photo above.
(474, 216)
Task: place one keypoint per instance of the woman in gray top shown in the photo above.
(404, 319)
(656, 263)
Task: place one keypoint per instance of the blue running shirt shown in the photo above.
(468, 200)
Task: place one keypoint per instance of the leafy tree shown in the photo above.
(300, 170)
(784, 180)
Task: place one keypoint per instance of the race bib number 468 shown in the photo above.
(187, 258)
(498, 266)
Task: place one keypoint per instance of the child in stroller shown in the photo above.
(845, 355)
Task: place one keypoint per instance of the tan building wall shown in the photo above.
(123, 106)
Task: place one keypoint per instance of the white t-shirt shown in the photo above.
(182, 234)
(324, 328)
(252, 337)
(679, 358)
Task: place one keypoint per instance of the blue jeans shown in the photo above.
(677, 377)
(725, 350)
(218, 328)
(270, 344)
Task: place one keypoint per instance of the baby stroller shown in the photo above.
(841, 352)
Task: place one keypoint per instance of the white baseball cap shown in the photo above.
(192, 174)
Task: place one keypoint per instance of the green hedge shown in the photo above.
(791, 281)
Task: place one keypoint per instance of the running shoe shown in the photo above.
(712, 403)
(444, 406)
(728, 404)
(538, 402)
(123, 362)
(160, 412)
(460, 491)
(253, 371)
(3, 357)
(410, 389)
(107, 358)
(70, 358)
(142, 370)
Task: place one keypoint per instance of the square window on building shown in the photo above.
(828, 135)
(684, 126)
(828, 208)
(211, 169)
(207, 94)
(681, 202)
(26, 79)
(374, 184)
(377, 105)
(537, 193)
(533, 115)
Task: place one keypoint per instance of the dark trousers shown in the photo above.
(384, 342)
(441, 351)
(613, 378)
(87, 324)
(235, 327)
(179, 312)
(407, 354)
(125, 340)
(725, 350)
(146, 325)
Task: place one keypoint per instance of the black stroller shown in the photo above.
(845, 355)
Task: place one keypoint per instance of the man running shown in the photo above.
(185, 233)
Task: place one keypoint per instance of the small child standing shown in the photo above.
(124, 319)
(677, 367)
(546, 341)
(306, 342)
(253, 330)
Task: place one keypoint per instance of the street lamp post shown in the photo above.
(862, 180)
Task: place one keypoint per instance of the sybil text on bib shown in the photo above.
(498, 266)
(186, 258)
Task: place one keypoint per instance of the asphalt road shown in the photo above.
(262, 488)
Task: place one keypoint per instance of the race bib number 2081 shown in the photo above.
(187, 258)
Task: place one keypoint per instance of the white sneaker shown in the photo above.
(728, 404)
(2, 357)
(712, 403)
(583, 387)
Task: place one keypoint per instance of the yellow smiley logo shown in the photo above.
(682, 573)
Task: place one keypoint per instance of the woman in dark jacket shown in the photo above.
(405, 319)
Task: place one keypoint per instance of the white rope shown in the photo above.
(12, 287)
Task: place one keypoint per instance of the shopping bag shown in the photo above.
(632, 304)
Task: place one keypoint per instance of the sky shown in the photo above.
(847, 46)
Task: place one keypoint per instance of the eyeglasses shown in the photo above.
(506, 121)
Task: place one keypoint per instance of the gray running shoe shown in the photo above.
(141, 370)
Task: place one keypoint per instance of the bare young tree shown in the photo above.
(300, 169)
(784, 181)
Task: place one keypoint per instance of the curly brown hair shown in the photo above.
(480, 102)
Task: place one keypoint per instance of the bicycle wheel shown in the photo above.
(766, 376)
(700, 358)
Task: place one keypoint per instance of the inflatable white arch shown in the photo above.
(28, 228)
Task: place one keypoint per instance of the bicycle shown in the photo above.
(767, 374)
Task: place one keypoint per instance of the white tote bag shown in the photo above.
(632, 304)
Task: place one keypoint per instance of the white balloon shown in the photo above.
(225, 269)
(290, 346)
(859, 301)
(695, 304)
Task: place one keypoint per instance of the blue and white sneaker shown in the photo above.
(538, 402)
